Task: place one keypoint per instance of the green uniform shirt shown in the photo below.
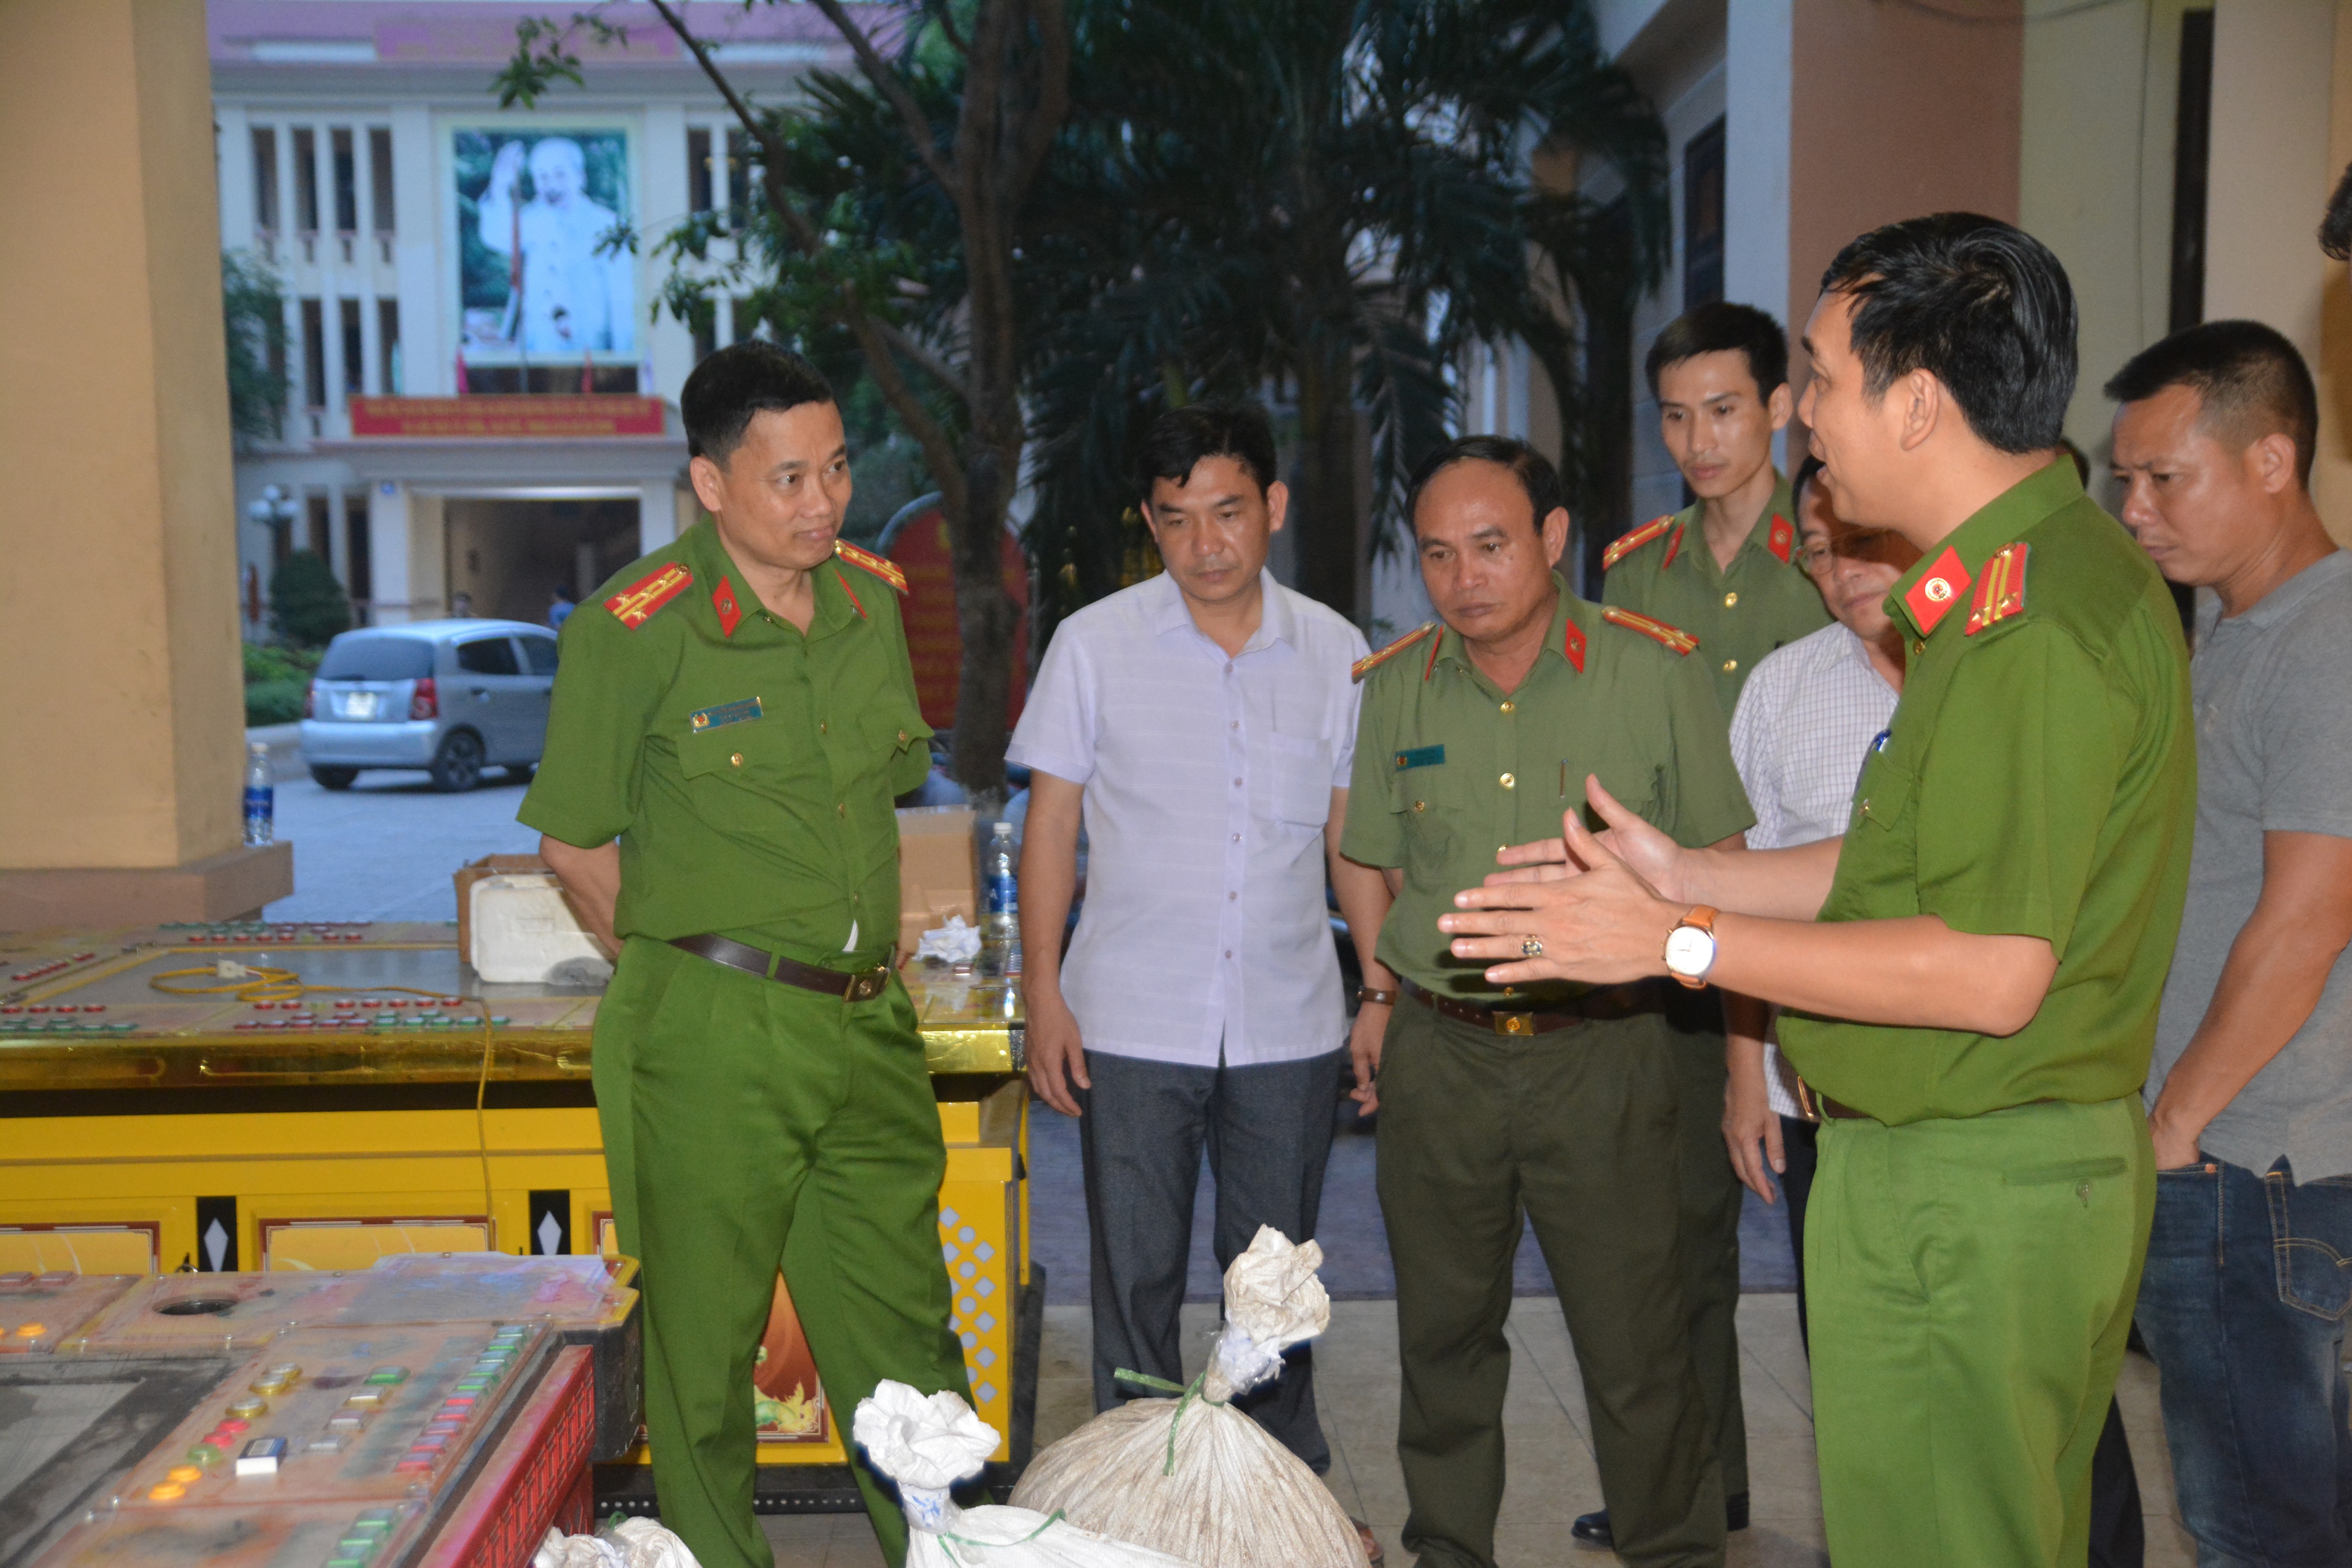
(748, 772)
(1739, 613)
(2039, 780)
(1449, 769)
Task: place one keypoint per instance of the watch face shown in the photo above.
(1689, 951)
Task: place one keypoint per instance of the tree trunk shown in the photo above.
(986, 620)
(1323, 503)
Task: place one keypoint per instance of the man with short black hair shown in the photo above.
(2250, 1098)
(732, 720)
(1549, 1104)
(1200, 724)
(1723, 570)
(1971, 971)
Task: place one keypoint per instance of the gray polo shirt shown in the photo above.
(2273, 698)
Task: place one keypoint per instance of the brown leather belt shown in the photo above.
(1820, 1107)
(863, 986)
(1608, 1002)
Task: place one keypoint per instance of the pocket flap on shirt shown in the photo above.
(715, 751)
(1881, 793)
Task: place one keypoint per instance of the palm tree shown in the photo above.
(1332, 199)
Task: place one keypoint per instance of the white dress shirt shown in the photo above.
(1204, 933)
(1804, 725)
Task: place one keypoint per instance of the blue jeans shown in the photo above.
(2242, 1304)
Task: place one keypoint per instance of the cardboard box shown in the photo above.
(474, 872)
(939, 872)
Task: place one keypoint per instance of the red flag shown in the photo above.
(462, 388)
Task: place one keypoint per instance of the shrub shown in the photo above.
(307, 605)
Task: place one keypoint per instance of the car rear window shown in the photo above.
(376, 658)
(488, 655)
(540, 651)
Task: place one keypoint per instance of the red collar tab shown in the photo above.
(2000, 592)
(1932, 597)
(854, 602)
(1571, 647)
(1674, 548)
(722, 599)
(1783, 541)
(634, 606)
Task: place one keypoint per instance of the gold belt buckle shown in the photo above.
(1514, 1023)
(867, 986)
(1807, 1108)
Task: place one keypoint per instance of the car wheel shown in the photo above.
(457, 766)
(333, 778)
(520, 771)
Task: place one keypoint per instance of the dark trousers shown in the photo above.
(1266, 1134)
(1712, 1197)
(2242, 1305)
(1801, 1151)
(1576, 1130)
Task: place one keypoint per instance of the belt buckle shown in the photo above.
(1513, 1023)
(867, 986)
(1808, 1105)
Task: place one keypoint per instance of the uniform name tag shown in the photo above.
(724, 714)
(1421, 757)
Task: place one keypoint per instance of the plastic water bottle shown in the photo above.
(1000, 919)
(261, 797)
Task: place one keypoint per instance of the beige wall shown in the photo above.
(124, 697)
(1894, 112)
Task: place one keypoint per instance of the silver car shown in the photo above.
(450, 697)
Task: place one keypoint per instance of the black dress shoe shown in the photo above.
(1593, 1528)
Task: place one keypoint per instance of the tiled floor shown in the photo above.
(1552, 1478)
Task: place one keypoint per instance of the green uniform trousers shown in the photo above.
(754, 1125)
(1971, 1286)
(1711, 1200)
(1574, 1130)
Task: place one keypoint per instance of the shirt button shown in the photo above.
(902, 737)
(1918, 648)
(1237, 838)
(1510, 707)
(1421, 805)
(1237, 784)
(1229, 952)
(841, 808)
(736, 761)
(1729, 665)
(1730, 600)
(1509, 782)
(1231, 896)
(1234, 725)
(821, 730)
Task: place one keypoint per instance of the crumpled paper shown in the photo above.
(954, 943)
(927, 1443)
(631, 1544)
(1273, 1301)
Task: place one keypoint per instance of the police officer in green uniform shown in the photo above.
(1724, 569)
(733, 715)
(1554, 1102)
(1972, 972)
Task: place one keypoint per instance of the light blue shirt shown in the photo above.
(1204, 932)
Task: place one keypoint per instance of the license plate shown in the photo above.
(357, 704)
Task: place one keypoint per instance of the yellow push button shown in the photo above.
(167, 1493)
(182, 1474)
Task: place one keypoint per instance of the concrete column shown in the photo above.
(426, 553)
(656, 515)
(234, 160)
(428, 339)
(666, 347)
(388, 515)
(1757, 38)
(117, 449)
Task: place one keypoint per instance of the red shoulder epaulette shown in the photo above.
(2000, 589)
(1658, 631)
(1372, 661)
(886, 570)
(1628, 543)
(634, 606)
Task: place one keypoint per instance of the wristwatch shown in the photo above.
(1690, 947)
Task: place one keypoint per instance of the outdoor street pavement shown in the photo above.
(385, 850)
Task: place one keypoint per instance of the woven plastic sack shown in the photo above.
(628, 1543)
(1192, 1475)
(926, 1445)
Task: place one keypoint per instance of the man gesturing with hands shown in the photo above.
(1971, 973)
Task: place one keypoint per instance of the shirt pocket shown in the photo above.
(1428, 821)
(1295, 783)
(1881, 794)
(892, 729)
(732, 774)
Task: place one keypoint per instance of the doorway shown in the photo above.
(508, 555)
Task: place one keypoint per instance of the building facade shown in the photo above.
(433, 246)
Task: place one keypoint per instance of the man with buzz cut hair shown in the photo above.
(2250, 1098)
(1553, 1105)
(1201, 725)
(1727, 571)
(1971, 971)
(734, 714)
